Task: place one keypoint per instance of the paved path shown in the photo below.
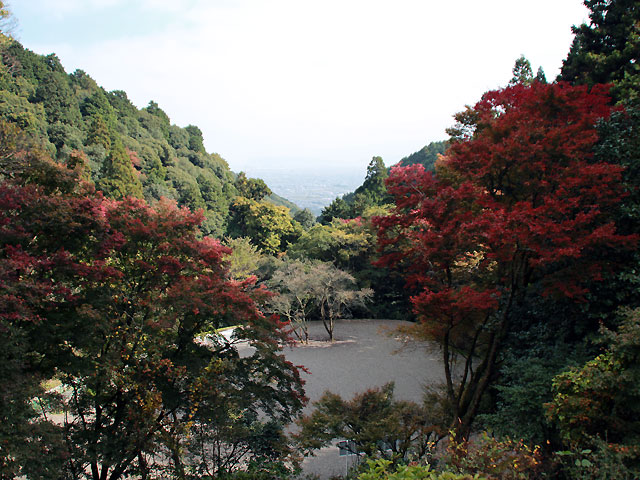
(366, 354)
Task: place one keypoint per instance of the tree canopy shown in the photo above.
(121, 312)
(517, 201)
(606, 50)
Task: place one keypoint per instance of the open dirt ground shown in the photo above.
(366, 354)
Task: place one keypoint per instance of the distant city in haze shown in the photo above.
(312, 188)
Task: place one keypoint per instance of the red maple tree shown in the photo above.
(518, 199)
(114, 299)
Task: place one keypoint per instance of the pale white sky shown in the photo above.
(275, 83)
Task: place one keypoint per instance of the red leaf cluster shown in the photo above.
(518, 199)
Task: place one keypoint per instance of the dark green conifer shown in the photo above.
(119, 178)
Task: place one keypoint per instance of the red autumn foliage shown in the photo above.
(517, 199)
(114, 297)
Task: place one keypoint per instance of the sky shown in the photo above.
(301, 84)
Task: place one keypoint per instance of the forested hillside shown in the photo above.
(372, 191)
(125, 151)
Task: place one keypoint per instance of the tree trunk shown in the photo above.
(479, 382)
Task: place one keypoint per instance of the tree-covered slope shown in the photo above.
(426, 156)
(127, 151)
(372, 192)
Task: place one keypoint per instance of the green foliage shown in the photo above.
(602, 461)
(345, 243)
(522, 72)
(98, 133)
(620, 144)
(79, 163)
(57, 98)
(373, 421)
(71, 112)
(244, 258)
(187, 187)
(601, 399)
(83, 85)
(262, 470)
(164, 121)
(196, 142)
(97, 105)
(122, 105)
(338, 208)
(427, 156)
(373, 185)
(251, 188)
(118, 177)
(28, 116)
(211, 189)
(305, 218)
(549, 338)
(382, 469)
(269, 227)
(371, 193)
(504, 458)
(64, 137)
(606, 50)
(351, 246)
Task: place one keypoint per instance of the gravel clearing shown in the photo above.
(365, 354)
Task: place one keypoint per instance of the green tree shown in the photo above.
(347, 244)
(294, 283)
(382, 469)
(187, 187)
(252, 188)
(79, 163)
(97, 105)
(335, 292)
(305, 218)
(606, 50)
(338, 208)
(373, 423)
(121, 104)
(244, 258)
(57, 98)
(269, 227)
(600, 401)
(26, 115)
(427, 156)
(371, 193)
(98, 133)
(373, 183)
(522, 72)
(118, 177)
(165, 122)
(196, 142)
